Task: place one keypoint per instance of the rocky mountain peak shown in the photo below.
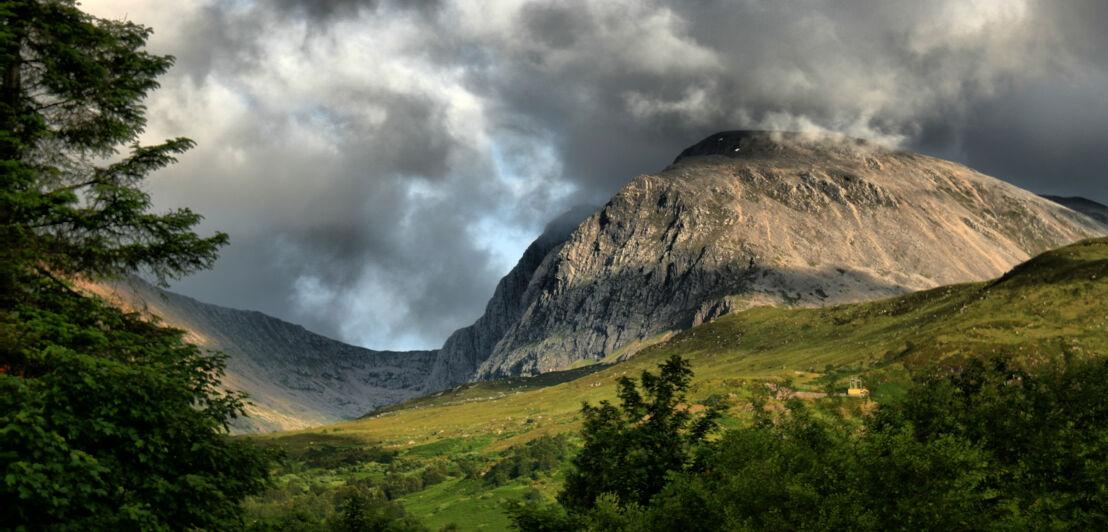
(745, 144)
(741, 218)
(747, 218)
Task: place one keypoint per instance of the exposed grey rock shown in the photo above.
(468, 347)
(750, 218)
(295, 378)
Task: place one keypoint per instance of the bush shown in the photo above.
(396, 485)
(989, 447)
(528, 460)
(332, 457)
(434, 474)
(629, 451)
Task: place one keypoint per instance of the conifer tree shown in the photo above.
(107, 420)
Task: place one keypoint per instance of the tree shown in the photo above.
(629, 450)
(1043, 435)
(362, 512)
(107, 420)
(987, 447)
(71, 94)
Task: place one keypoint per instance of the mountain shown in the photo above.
(1047, 312)
(296, 379)
(1043, 310)
(740, 219)
(746, 218)
(1088, 207)
(468, 347)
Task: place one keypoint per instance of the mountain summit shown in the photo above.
(746, 218)
(741, 218)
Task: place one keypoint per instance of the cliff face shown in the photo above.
(295, 378)
(468, 347)
(750, 218)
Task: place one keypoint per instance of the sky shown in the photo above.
(379, 165)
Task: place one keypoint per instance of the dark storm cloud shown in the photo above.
(324, 9)
(1046, 137)
(328, 10)
(671, 74)
(375, 161)
(889, 70)
(554, 26)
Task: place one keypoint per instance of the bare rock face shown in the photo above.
(751, 218)
(295, 378)
(468, 347)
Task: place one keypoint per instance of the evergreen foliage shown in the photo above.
(107, 420)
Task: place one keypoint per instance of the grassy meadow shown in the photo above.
(1052, 307)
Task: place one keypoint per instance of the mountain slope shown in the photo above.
(1088, 207)
(1052, 306)
(467, 347)
(746, 218)
(739, 219)
(295, 378)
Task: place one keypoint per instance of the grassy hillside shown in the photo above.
(1053, 305)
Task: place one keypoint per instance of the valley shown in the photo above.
(741, 219)
(1050, 308)
(299, 266)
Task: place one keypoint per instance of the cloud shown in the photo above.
(380, 164)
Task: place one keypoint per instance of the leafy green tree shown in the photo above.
(366, 513)
(1041, 438)
(985, 447)
(783, 473)
(527, 460)
(629, 450)
(533, 516)
(107, 420)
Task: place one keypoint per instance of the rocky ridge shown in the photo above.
(295, 378)
(747, 218)
(468, 347)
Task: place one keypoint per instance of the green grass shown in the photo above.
(488, 390)
(465, 503)
(450, 446)
(1052, 306)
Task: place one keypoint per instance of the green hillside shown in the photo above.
(1055, 304)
